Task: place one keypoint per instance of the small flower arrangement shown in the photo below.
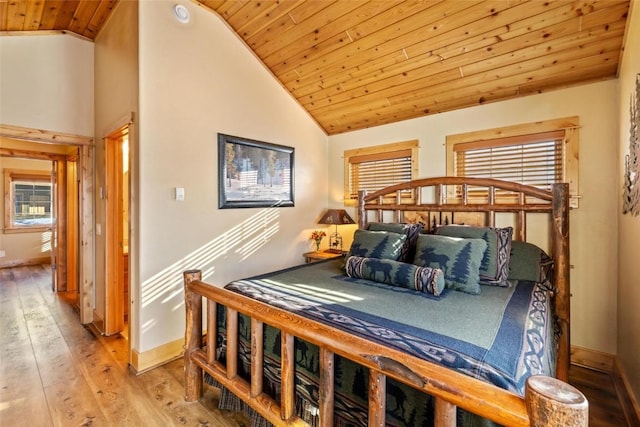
(317, 235)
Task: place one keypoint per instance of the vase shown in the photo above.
(318, 245)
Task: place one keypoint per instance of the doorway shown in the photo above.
(75, 153)
(116, 196)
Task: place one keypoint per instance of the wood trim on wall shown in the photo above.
(87, 266)
(155, 357)
(30, 154)
(592, 359)
(25, 262)
(630, 406)
(609, 364)
(43, 136)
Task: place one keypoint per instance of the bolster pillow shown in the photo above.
(395, 273)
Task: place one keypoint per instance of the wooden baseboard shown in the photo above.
(25, 262)
(146, 360)
(592, 359)
(98, 323)
(627, 400)
(608, 363)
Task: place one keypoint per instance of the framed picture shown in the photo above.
(254, 173)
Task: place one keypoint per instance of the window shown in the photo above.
(28, 203)
(373, 168)
(538, 154)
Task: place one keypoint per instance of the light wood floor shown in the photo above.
(56, 372)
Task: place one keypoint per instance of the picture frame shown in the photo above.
(254, 173)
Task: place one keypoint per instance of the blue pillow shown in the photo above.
(529, 262)
(377, 244)
(459, 259)
(395, 273)
(494, 269)
(412, 231)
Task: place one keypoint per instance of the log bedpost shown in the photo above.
(551, 402)
(193, 337)
(560, 253)
(362, 213)
(377, 398)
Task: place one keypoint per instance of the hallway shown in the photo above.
(55, 372)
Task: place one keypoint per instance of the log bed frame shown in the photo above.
(548, 401)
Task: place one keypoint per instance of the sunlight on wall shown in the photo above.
(148, 325)
(244, 240)
(313, 293)
(45, 240)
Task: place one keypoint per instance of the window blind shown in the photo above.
(371, 172)
(535, 159)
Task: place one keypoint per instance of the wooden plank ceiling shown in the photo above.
(357, 64)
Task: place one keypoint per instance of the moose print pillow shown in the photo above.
(396, 273)
(460, 259)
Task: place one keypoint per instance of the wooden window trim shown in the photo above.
(11, 175)
(378, 152)
(565, 128)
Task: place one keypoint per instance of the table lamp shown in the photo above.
(336, 217)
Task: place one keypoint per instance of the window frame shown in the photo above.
(568, 128)
(12, 175)
(378, 150)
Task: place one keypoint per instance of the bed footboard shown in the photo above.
(548, 401)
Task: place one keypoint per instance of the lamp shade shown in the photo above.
(336, 217)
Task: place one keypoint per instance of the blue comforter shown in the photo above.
(501, 336)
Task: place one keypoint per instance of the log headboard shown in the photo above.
(434, 201)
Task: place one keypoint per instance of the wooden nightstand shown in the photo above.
(320, 255)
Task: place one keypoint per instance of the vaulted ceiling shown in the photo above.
(356, 64)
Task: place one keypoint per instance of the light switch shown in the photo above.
(179, 193)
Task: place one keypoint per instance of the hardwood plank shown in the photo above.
(479, 94)
(599, 389)
(395, 29)
(333, 35)
(82, 16)
(73, 403)
(308, 28)
(33, 15)
(413, 91)
(21, 390)
(98, 18)
(476, 34)
(167, 394)
(54, 371)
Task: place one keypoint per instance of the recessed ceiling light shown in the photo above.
(182, 13)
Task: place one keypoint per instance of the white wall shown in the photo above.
(46, 82)
(593, 225)
(629, 226)
(116, 102)
(197, 80)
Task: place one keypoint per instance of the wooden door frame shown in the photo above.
(85, 144)
(114, 226)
